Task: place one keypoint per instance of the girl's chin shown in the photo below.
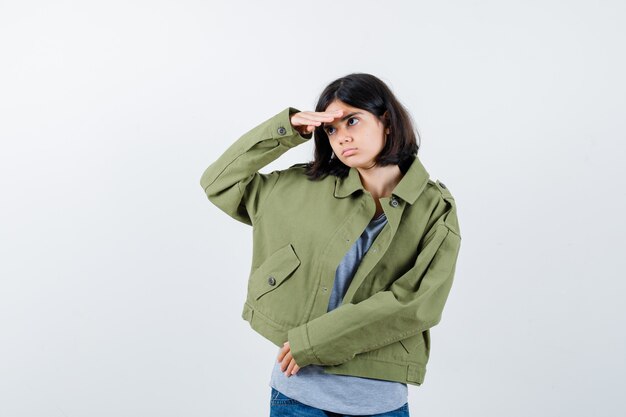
(351, 161)
(357, 161)
(350, 164)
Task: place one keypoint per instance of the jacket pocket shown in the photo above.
(410, 343)
(273, 272)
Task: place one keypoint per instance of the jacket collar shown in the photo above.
(409, 188)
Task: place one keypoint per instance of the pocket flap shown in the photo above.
(411, 343)
(273, 271)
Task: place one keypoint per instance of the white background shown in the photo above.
(121, 286)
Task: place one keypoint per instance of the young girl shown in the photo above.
(354, 252)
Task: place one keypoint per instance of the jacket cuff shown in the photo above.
(284, 132)
(300, 347)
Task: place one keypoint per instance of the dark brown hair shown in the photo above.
(366, 92)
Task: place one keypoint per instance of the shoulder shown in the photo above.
(297, 172)
(299, 166)
(440, 189)
(436, 193)
(443, 203)
(296, 175)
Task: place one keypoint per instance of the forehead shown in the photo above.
(340, 105)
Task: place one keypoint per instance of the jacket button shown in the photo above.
(442, 184)
(394, 202)
(271, 280)
(282, 130)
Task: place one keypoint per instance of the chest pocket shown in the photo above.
(273, 271)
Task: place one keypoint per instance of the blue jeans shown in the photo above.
(283, 406)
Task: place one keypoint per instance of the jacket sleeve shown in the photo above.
(412, 304)
(233, 183)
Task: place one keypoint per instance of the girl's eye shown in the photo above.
(330, 127)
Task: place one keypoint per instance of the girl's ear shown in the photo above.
(386, 121)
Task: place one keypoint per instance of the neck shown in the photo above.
(380, 181)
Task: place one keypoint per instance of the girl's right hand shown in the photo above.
(306, 121)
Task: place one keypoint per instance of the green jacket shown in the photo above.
(301, 231)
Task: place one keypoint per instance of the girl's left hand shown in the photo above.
(288, 365)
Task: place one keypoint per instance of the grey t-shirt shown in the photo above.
(344, 394)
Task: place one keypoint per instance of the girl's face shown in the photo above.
(356, 137)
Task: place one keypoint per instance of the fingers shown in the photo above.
(290, 368)
(321, 115)
(303, 120)
(296, 368)
(284, 356)
(287, 362)
(310, 118)
(282, 353)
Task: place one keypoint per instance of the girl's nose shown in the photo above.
(346, 138)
